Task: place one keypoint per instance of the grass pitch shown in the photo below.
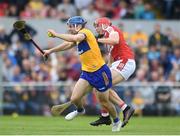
(36, 125)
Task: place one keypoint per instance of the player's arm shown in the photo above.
(71, 38)
(68, 37)
(111, 40)
(62, 47)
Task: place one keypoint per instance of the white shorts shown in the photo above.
(125, 67)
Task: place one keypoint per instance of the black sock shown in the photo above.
(106, 116)
(80, 109)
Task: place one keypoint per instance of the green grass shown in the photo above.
(36, 125)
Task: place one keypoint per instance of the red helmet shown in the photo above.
(102, 21)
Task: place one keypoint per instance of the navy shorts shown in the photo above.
(100, 79)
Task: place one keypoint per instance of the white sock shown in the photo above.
(105, 114)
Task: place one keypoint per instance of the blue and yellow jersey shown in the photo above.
(89, 52)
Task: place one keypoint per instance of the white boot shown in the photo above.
(116, 126)
(73, 114)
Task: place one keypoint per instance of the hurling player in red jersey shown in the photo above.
(122, 65)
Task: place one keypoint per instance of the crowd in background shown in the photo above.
(114, 9)
(157, 56)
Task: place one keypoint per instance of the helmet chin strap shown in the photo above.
(76, 29)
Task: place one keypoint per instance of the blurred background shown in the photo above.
(28, 86)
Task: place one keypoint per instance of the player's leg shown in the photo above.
(127, 110)
(104, 99)
(105, 102)
(122, 70)
(104, 118)
(102, 81)
(80, 89)
(117, 78)
(114, 98)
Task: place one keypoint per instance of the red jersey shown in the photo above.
(120, 50)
